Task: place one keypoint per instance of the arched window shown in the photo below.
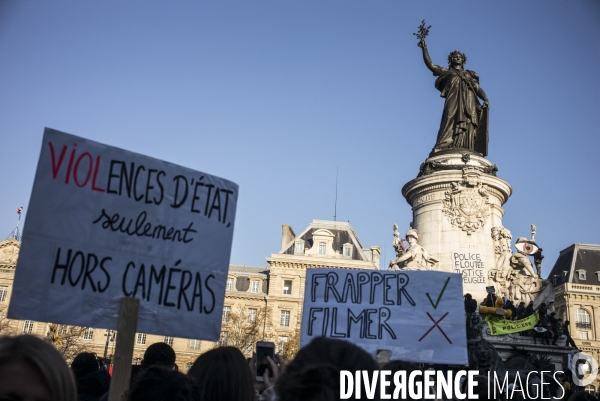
(582, 320)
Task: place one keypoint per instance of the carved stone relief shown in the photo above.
(467, 203)
(513, 275)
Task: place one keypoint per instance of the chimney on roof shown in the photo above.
(287, 235)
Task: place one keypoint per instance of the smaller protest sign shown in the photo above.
(499, 325)
(416, 315)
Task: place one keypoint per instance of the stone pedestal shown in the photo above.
(456, 200)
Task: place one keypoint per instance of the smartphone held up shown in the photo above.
(264, 349)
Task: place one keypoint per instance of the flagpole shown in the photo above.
(15, 233)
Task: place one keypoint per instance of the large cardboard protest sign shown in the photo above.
(417, 315)
(104, 223)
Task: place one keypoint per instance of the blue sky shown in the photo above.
(275, 95)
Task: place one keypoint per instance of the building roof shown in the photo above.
(248, 269)
(343, 233)
(576, 259)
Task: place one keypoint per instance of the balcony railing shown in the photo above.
(583, 325)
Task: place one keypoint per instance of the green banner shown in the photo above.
(499, 325)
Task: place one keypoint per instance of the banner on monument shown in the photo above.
(416, 315)
(104, 223)
(499, 325)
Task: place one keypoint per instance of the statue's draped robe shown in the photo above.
(459, 119)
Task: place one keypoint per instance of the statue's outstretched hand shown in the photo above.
(422, 44)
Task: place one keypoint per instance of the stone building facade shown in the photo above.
(267, 300)
(576, 280)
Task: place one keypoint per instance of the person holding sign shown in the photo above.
(418, 258)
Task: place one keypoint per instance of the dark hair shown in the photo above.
(582, 396)
(84, 364)
(397, 365)
(223, 374)
(159, 354)
(314, 374)
(46, 359)
(159, 383)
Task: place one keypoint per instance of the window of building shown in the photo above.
(581, 274)
(3, 292)
(251, 315)
(322, 248)
(229, 286)
(590, 389)
(223, 338)
(598, 276)
(168, 340)
(28, 327)
(287, 287)
(188, 366)
(194, 344)
(583, 335)
(582, 320)
(281, 342)
(284, 319)
(299, 247)
(347, 250)
(226, 312)
(88, 333)
(255, 286)
(140, 339)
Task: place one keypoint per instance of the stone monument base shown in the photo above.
(456, 200)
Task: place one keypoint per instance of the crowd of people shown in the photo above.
(33, 370)
(548, 328)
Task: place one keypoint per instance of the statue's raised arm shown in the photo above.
(464, 119)
(436, 69)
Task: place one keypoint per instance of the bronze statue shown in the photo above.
(464, 119)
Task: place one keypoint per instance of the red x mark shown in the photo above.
(435, 324)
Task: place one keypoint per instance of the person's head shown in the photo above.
(522, 304)
(223, 374)
(84, 364)
(314, 374)
(567, 322)
(158, 383)
(160, 354)
(412, 236)
(456, 58)
(32, 368)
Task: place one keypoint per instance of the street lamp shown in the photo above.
(109, 337)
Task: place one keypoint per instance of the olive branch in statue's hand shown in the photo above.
(422, 34)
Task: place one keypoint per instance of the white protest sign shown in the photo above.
(104, 223)
(417, 315)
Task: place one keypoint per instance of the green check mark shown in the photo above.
(439, 296)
